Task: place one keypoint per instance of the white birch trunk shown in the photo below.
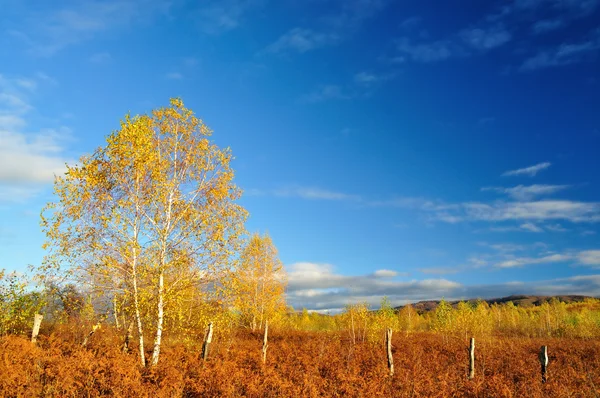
(159, 320)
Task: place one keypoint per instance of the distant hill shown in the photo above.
(518, 300)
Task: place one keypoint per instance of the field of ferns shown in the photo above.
(298, 364)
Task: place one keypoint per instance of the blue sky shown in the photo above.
(412, 149)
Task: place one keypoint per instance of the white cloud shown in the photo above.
(589, 257)
(427, 52)
(48, 32)
(530, 227)
(327, 92)
(528, 192)
(30, 158)
(540, 210)
(522, 261)
(366, 78)
(530, 171)
(547, 25)
(486, 38)
(314, 193)
(219, 16)
(27, 159)
(385, 273)
(512, 247)
(302, 40)
(564, 54)
(555, 228)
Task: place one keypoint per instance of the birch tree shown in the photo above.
(260, 281)
(151, 212)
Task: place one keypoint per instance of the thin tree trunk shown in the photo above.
(134, 264)
(265, 343)
(138, 316)
(388, 344)
(160, 319)
(472, 358)
(116, 313)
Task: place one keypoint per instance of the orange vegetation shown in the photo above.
(299, 364)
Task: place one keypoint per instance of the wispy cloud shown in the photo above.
(555, 228)
(49, 31)
(100, 58)
(542, 210)
(216, 17)
(427, 52)
(314, 193)
(174, 76)
(513, 247)
(564, 54)
(530, 171)
(487, 38)
(547, 25)
(334, 28)
(370, 78)
(528, 192)
(310, 193)
(589, 257)
(467, 42)
(524, 211)
(531, 227)
(301, 40)
(522, 261)
(327, 92)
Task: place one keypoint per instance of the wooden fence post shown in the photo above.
(37, 322)
(543, 357)
(207, 341)
(472, 358)
(388, 343)
(265, 343)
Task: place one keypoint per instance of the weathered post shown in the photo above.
(388, 344)
(472, 358)
(37, 322)
(544, 362)
(207, 341)
(265, 343)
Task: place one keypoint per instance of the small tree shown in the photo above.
(17, 305)
(260, 282)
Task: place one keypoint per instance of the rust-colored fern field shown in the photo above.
(299, 364)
